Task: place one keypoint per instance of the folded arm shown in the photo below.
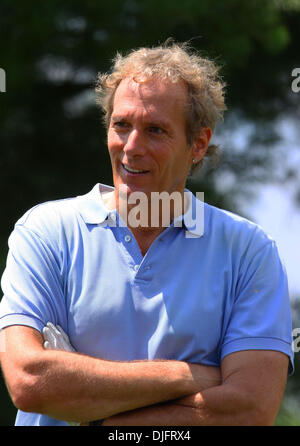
(253, 384)
(70, 386)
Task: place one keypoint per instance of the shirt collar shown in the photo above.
(91, 206)
(93, 210)
(193, 218)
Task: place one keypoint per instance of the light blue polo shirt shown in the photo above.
(197, 295)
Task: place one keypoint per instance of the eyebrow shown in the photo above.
(150, 122)
(117, 118)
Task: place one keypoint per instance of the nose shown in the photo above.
(134, 144)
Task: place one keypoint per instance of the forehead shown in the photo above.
(154, 95)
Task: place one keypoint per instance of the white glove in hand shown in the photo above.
(56, 339)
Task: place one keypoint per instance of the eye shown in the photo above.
(156, 130)
(120, 125)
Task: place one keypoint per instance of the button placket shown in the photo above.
(130, 249)
(138, 264)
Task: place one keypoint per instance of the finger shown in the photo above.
(54, 333)
(49, 336)
(54, 329)
(50, 330)
(50, 326)
(63, 333)
(46, 333)
(56, 337)
(65, 340)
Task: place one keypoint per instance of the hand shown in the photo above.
(56, 339)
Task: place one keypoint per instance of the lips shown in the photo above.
(133, 171)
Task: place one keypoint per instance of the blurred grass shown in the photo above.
(289, 414)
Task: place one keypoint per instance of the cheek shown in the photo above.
(174, 158)
(163, 154)
(114, 145)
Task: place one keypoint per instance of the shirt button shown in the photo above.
(127, 238)
(136, 268)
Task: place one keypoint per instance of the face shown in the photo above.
(147, 137)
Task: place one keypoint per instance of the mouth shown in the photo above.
(134, 171)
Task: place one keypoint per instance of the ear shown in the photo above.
(200, 145)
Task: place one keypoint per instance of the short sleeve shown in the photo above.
(260, 318)
(32, 282)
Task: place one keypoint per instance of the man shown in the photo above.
(172, 324)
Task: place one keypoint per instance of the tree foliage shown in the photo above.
(52, 143)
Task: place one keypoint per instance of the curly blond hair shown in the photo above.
(172, 62)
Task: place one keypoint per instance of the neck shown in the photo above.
(152, 211)
(146, 215)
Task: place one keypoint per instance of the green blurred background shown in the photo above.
(52, 143)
